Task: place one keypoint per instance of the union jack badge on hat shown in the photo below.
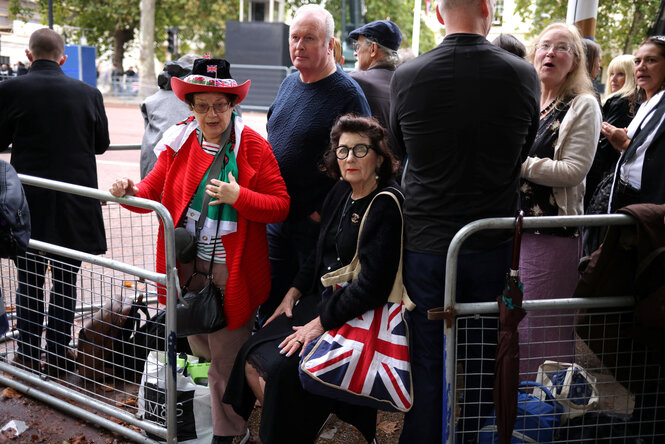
(200, 80)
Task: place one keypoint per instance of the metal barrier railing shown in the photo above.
(39, 386)
(453, 311)
(121, 147)
(266, 80)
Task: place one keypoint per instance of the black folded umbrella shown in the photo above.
(507, 364)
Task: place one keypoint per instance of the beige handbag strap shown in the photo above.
(352, 270)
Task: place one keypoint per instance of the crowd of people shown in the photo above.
(124, 83)
(7, 72)
(466, 131)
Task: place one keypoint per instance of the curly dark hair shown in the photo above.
(367, 126)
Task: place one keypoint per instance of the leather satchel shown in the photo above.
(102, 333)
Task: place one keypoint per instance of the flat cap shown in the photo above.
(383, 32)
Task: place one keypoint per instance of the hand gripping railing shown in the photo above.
(451, 310)
(169, 280)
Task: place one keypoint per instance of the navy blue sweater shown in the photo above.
(299, 123)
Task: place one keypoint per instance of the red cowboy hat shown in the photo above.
(209, 75)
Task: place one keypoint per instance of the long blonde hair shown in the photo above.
(577, 81)
(623, 63)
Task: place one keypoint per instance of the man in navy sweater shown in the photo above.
(299, 123)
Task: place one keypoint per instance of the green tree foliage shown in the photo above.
(108, 24)
(113, 24)
(399, 11)
(620, 24)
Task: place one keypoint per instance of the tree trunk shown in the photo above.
(147, 77)
(637, 18)
(120, 37)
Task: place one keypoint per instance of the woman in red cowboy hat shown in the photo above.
(248, 193)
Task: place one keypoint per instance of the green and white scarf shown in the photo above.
(226, 214)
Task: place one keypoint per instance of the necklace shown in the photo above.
(348, 204)
(548, 107)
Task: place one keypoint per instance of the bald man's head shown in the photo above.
(47, 44)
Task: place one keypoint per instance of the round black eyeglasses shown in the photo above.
(360, 150)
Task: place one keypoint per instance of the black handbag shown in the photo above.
(201, 312)
(600, 200)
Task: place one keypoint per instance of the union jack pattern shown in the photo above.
(369, 355)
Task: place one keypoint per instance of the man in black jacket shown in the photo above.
(466, 114)
(56, 125)
(375, 47)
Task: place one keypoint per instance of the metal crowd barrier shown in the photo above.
(121, 276)
(265, 84)
(606, 320)
(266, 80)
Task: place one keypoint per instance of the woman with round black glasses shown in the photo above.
(267, 366)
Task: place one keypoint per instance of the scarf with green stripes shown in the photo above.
(226, 214)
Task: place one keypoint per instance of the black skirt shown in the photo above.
(289, 414)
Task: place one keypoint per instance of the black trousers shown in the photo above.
(290, 244)
(481, 277)
(30, 303)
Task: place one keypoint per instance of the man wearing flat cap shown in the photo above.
(375, 47)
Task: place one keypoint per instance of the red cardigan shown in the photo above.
(263, 199)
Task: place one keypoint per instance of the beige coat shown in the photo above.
(573, 155)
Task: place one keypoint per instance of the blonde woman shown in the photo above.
(553, 185)
(618, 111)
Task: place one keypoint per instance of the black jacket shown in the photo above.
(653, 180)
(56, 125)
(378, 251)
(617, 112)
(375, 83)
(466, 114)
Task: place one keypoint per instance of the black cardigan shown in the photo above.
(378, 251)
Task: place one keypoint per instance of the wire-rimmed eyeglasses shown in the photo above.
(356, 45)
(203, 108)
(557, 48)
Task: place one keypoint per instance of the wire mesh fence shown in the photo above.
(590, 372)
(90, 329)
(615, 392)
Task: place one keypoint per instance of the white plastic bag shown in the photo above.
(572, 386)
(194, 416)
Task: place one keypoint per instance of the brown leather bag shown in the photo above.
(99, 335)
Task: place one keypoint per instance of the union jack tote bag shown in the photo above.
(366, 361)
